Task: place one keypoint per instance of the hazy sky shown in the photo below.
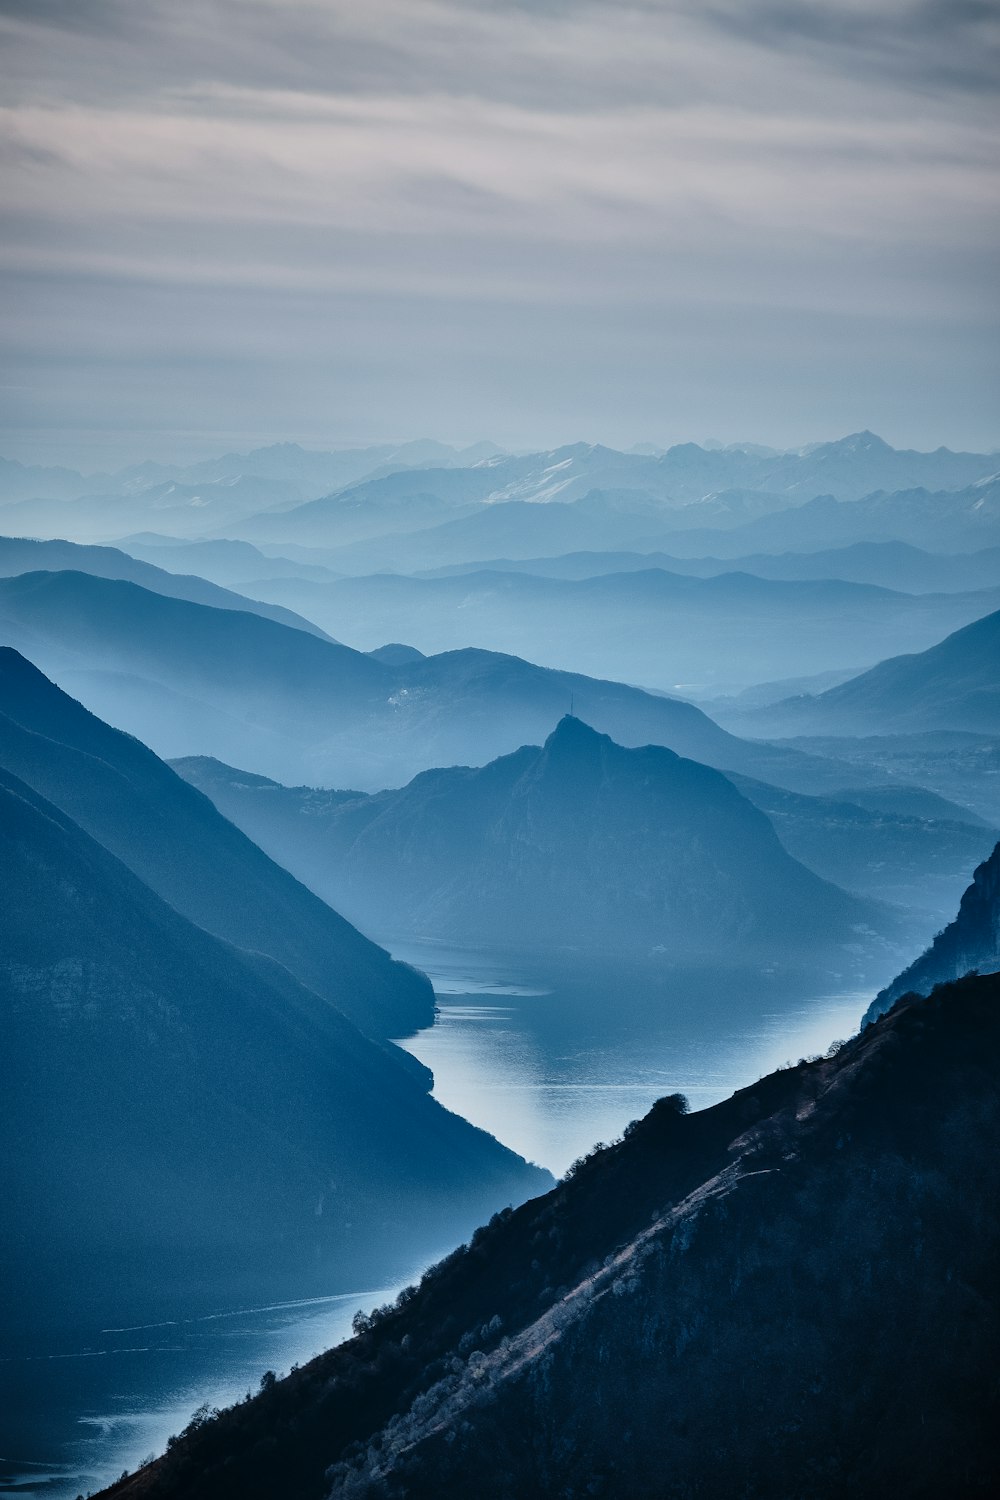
(231, 221)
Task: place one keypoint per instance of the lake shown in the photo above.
(549, 1057)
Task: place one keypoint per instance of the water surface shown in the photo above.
(549, 1057)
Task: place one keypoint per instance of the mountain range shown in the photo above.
(334, 499)
(190, 679)
(579, 845)
(185, 1123)
(659, 629)
(890, 565)
(792, 1293)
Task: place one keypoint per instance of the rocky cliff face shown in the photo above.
(970, 942)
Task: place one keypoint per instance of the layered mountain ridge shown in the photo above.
(580, 844)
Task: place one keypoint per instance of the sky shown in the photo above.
(229, 222)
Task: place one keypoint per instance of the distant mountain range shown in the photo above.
(189, 679)
(606, 498)
(954, 685)
(310, 471)
(889, 565)
(725, 524)
(792, 1293)
(184, 1123)
(658, 629)
(226, 562)
(579, 845)
(969, 944)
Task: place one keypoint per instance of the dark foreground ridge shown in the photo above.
(790, 1294)
(970, 943)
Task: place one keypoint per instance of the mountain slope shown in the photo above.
(18, 555)
(954, 685)
(580, 844)
(185, 1122)
(970, 943)
(733, 1302)
(191, 680)
(913, 859)
(176, 841)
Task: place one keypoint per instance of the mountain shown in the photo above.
(684, 475)
(890, 565)
(914, 858)
(185, 1122)
(26, 481)
(655, 628)
(197, 499)
(971, 943)
(792, 1293)
(954, 685)
(580, 844)
(175, 841)
(938, 520)
(953, 764)
(20, 555)
(191, 680)
(905, 846)
(225, 562)
(169, 506)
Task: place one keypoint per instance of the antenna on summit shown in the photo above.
(572, 700)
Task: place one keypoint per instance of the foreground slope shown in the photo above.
(792, 1293)
(970, 943)
(177, 842)
(187, 1124)
(578, 844)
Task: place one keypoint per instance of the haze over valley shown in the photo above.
(499, 750)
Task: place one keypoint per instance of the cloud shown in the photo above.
(727, 160)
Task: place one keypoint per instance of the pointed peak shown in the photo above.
(573, 731)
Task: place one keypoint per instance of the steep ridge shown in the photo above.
(580, 845)
(19, 555)
(174, 840)
(184, 1122)
(190, 680)
(733, 1302)
(971, 943)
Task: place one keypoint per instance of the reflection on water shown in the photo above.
(553, 1066)
(103, 1403)
(550, 1059)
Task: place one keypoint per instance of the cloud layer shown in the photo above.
(319, 219)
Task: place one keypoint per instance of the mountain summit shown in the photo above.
(578, 844)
